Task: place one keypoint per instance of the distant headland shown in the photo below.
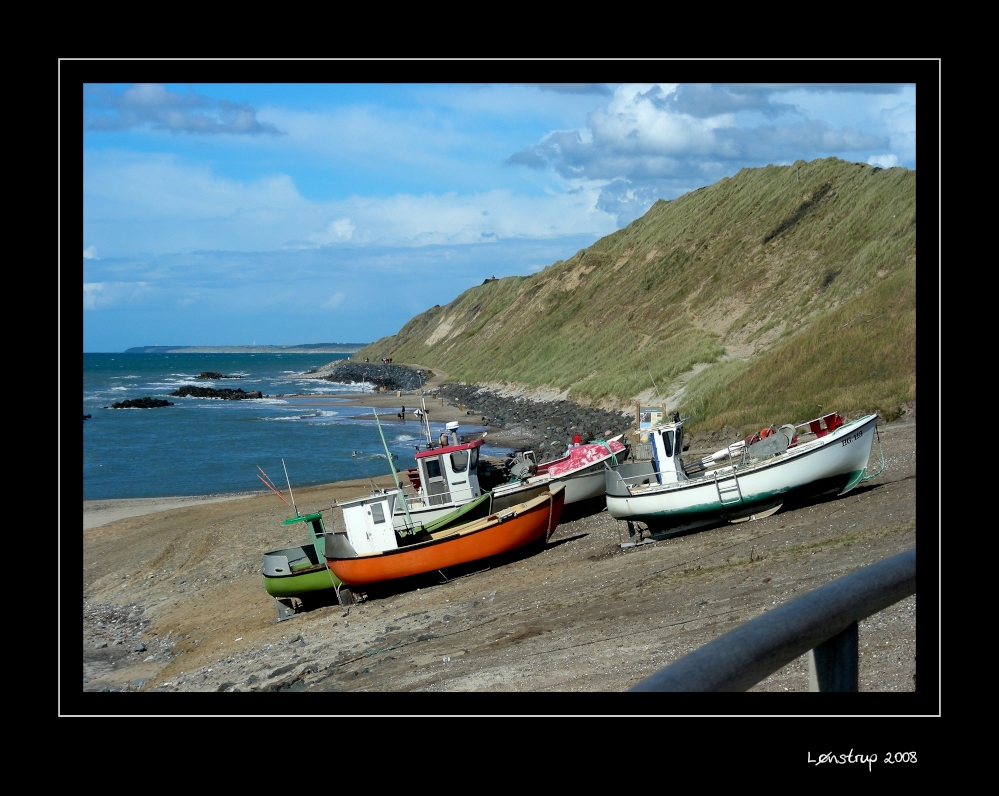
(305, 348)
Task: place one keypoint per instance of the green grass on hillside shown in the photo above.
(862, 356)
(794, 285)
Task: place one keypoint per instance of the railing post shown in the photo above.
(822, 622)
(832, 666)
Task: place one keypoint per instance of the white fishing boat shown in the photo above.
(390, 526)
(446, 477)
(369, 551)
(451, 472)
(747, 480)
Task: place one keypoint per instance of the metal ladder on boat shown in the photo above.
(729, 493)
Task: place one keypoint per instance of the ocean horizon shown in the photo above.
(211, 446)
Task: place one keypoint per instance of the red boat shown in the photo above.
(361, 555)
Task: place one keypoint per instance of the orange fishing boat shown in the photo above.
(368, 551)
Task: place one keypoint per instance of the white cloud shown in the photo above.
(141, 206)
(452, 219)
(137, 187)
(900, 121)
(660, 140)
(377, 135)
(334, 301)
(638, 120)
(90, 253)
(152, 105)
(156, 204)
(105, 295)
(883, 161)
(339, 231)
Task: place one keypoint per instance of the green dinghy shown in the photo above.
(294, 572)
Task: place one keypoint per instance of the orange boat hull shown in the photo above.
(474, 541)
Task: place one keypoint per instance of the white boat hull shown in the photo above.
(833, 463)
(582, 485)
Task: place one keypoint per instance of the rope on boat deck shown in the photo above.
(877, 434)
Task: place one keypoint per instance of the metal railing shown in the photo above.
(822, 622)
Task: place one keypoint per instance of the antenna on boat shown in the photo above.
(395, 477)
(290, 493)
(270, 485)
(354, 455)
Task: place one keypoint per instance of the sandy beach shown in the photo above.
(101, 512)
(173, 602)
(173, 599)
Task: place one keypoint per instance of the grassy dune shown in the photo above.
(763, 296)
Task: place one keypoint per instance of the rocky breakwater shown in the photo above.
(191, 391)
(391, 377)
(547, 427)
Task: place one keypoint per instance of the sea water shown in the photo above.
(211, 446)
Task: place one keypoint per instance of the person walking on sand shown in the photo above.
(403, 415)
(576, 440)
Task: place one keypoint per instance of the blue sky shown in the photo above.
(241, 213)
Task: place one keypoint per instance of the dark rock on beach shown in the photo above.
(139, 403)
(391, 377)
(189, 390)
(213, 375)
(545, 426)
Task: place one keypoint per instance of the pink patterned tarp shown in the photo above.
(583, 456)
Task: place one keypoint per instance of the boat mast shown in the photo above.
(395, 477)
(425, 421)
(312, 532)
(290, 494)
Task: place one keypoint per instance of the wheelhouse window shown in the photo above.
(377, 514)
(434, 467)
(459, 461)
(668, 443)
